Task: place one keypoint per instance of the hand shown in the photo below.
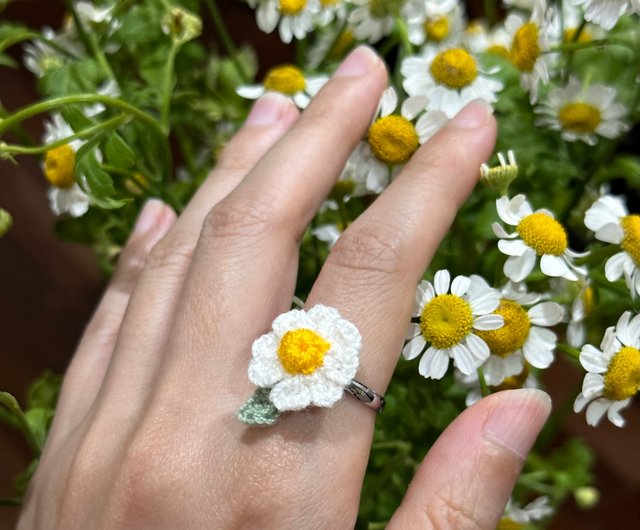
(146, 435)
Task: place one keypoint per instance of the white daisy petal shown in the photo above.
(596, 410)
(546, 314)
(460, 285)
(413, 348)
(488, 322)
(442, 281)
(593, 360)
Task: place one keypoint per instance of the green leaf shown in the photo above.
(118, 152)
(43, 392)
(11, 34)
(39, 420)
(100, 183)
(7, 61)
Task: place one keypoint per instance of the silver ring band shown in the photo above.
(365, 395)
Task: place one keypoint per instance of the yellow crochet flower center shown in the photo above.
(437, 28)
(579, 117)
(454, 68)
(543, 234)
(285, 79)
(622, 379)
(507, 523)
(512, 336)
(393, 139)
(446, 320)
(59, 166)
(525, 49)
(292, 7)
(631, 240)
(302, 351)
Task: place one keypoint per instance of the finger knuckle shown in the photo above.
(242, 217)
(171, 256)
(443, 512)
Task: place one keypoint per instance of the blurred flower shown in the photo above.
(448, 314)
(295, 17)
(373, 19)
(478, 39)
(525, 379)
(289, 80)
(6, 221)
(500, 177)
(580, 310)
(40, 58)
(327, 233)
(537, 234)
(529, 41)
(181, 25)
(331, 10)
(583, 112)
(514, 516)
(606, 12)
(437, 23)
(446, 80)
(613, 372)
(609, 218)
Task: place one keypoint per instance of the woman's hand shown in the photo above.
(146, 435)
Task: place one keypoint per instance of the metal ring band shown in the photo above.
(365, 395)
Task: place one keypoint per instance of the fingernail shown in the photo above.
(517, 419)
(358, 62)
(149, 215)
(268, 109)
(474, 115)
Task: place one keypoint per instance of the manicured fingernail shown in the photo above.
(517, 419)
(474, 115)
(149, 216)
(268, 109)
(358, 62)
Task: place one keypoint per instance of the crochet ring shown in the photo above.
(365, 395)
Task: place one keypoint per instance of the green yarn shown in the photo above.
(258, 410)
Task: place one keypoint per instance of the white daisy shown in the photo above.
(289, 80)
(606, 13)
(352, 183)
(566, 22)
(446, 80)
(613, 372)
(328, 233)
(392, 140)
(515, 517)
(529, 40)
(308, 358)
(609, 218)
(446, 315)
(526, 5)
(371, 20)
(525, 379)
(477, 38)
(580, 310)
(39, 58)
(523, 336)
(437, 22)
(536, 234)
(295, 17)
(330, 10)
(583, 112)
(65, 195)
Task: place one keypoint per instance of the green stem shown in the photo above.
(13, 501)
(20, 132)
(484, 388)
(569, 351)
(403, 34)
(570, 53)
(227, 41)
(599, 43)
(11, 403)
(113, 123)
(490, 12)
(166, 90)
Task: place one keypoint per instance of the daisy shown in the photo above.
(536, 234)
(294, 18)
(392, 139)
(330, 10)
(523, 336)
(436, 22)
(613, 372)
(500, 177)
(609, 218)
(39, 58)
(580, 310)
(371, 20)
(583, 112)
(525, 379)
(529, 40)
(515, 517)
(606, 13)
(446, 316)
(477, 38)
(288, 80)
(328, 233)
(308, 358)
(446, 80)
(65, 195)
(352, 183)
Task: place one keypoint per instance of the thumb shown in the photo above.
(467, 477)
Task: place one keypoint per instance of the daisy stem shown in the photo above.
(227, 41)
(490, 12)
(19, 420)
(574, 40)
(113, 123)
(576, 46)
(167, 88)
(569, 351)
(484, 388)
(403, 34)
(20, 132)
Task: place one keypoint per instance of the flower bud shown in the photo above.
(181, 25)
(500, 177)
(6, 221)
(586, 497)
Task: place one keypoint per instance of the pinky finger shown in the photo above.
(88, 367)
(466, 478)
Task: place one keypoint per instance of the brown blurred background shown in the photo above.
(48, 289)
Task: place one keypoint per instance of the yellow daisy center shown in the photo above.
(329, 3)
(570, 35)
(543, 234)
(515, 381)
(454, 68)
(437, 28)
(393, 139)
(302, 351)
(579, 117)
(292, 7)
(285, 79)
(622, 379)
(446, 320)
(512, 336)
(506, 523)
(498, 49)
(587, 300)
(631, 240)
(344, 41)
(525, 49)
(59, 166)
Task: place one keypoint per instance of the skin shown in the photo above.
(146, 436)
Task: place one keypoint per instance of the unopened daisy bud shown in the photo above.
(500, 177)
(6, 221)
(586, 497)
(136, 184)
(181, 25)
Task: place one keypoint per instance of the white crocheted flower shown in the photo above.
(308, 358)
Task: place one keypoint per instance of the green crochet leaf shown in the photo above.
(258, 410)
